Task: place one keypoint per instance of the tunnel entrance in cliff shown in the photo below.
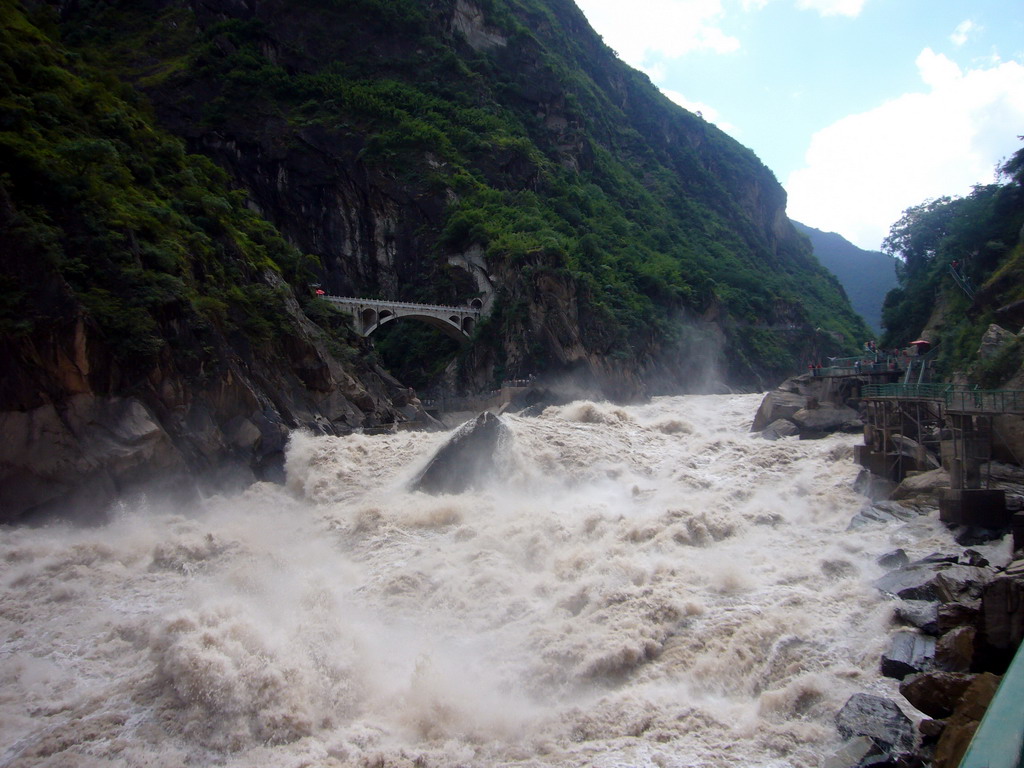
(414, 352)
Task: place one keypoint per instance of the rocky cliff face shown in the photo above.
(378, 220)
(79, 432)
(436, 151)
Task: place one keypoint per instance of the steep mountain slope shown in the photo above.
(157, 312)
(146, 325)
(866, 276)
(442, 150)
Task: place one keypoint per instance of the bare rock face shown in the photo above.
(79, 430)
(468, 458)
(90, 446)
(994, 339)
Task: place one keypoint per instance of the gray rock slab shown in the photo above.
(908, 654)
(879, 719)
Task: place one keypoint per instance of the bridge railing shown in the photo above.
(399, 305)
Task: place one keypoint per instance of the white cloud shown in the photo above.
(706, 111)
(963, 31)
(863, 171)
(643, 30)
(850, 8)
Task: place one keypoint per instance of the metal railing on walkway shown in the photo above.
(956, 400)
(986, 401)
(908, 391)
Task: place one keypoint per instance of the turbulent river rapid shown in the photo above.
(641, 586)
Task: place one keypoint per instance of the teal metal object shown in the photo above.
(986, 400)
(908, 391)
(999, 740)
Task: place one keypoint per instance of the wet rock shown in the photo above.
(777, 405)
(930, 731)
(874, 487)
(952, 615)
(1002, 609)
(467, 458)
(936, 693)
(81, 455)
(815, 422)
(973, 557)
(972, 535)
(908, 653)
(854, 753)
(925, 484)
(780, 428)
(954, 651)
(945, 582)
(895, 559)
(960, 727)
(878, 719)
(882, 512)
(923, 614)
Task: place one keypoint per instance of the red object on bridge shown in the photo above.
(320, 292)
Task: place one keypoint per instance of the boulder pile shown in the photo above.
(960, 619)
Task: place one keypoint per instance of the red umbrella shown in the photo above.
(921, 341)
(321, 292)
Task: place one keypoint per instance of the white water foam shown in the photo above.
(642, 586)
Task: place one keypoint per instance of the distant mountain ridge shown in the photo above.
(866, 276)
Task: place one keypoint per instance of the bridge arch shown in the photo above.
(451, 327)
(370, 314)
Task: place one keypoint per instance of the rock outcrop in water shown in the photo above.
(814, 406)
(468, 459)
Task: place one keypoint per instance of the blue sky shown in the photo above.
(862, 108)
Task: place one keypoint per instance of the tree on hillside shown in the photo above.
(981, 232)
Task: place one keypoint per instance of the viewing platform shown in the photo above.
(918, 427)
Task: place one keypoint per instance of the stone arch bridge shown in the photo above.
(370, 314)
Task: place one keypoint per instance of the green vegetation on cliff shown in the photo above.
(981, 234)
(504, 128)
(509, 127)
(102, 212)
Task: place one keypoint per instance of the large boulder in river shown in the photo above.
(922, 485)
(777, 405)
(820, 421)
(466, 459)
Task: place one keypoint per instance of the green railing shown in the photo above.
(908, 391)
(960, 400)
(999, 740)
(986, 401)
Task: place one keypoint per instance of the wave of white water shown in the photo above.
(643, 586)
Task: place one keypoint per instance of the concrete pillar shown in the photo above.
(956, 473)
